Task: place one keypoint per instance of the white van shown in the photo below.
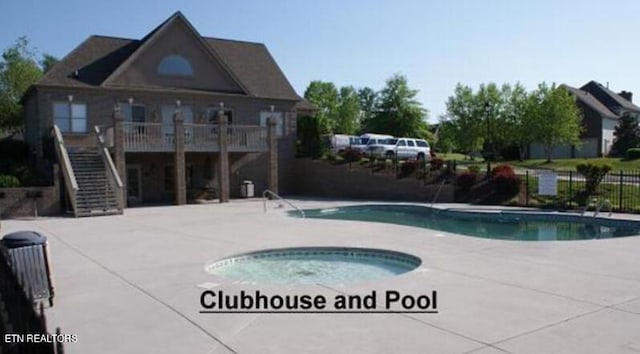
(338, 143)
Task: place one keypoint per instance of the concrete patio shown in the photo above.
(132, 284)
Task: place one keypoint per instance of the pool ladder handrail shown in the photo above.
(272, 193)
(606, 202)
(598, 207)
(438, 192)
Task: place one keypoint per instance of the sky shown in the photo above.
(435, 44)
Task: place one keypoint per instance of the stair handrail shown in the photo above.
(65, 164)
(272, 193)
(112, 173)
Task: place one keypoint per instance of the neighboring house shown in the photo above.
(161, 103)
(601, 110)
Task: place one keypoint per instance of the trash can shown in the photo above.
(246, 189)
(28, 256)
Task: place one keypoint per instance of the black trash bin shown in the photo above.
(28, 256)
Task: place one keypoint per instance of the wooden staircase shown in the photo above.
(95, 196)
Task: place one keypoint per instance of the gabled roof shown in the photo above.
(608, 97)
(99, 59)
(589, 100)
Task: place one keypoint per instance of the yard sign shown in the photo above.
(548, 183)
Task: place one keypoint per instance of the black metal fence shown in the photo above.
(18, 316)
(618, 190)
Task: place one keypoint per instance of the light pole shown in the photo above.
(489, 147)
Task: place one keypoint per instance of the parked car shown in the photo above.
(338, 143)
(370, 139)
(402, 148)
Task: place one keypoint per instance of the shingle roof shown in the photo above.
(94, 59)
(613, 98)
(589, 100)
(98, 57)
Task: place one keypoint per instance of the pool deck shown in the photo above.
(132, 284)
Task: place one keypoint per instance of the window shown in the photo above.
(422, 143)
(70, 118)
(264, 115)
(175, 65)
(402, 143)
(135, 113)
(411, 143)
(212, 115)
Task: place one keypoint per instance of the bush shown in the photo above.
(506, 184)
(409, 167)
(352, 155)
(9, 181)
(593, 175)
(502, 169)
(466, 180)
(436, 163)
(632, 154)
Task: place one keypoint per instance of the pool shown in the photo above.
(313, 265)
(495, 224)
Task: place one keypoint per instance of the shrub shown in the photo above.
(409, 167)
(352, 155)
(466, 180)
(632, 154)
(436, 163)
(593, 175)
(9, 181)
(506, 184)
(502, 169)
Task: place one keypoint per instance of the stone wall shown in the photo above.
(318, 178)
(19, 202)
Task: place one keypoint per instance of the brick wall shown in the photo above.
(14, 202)
(316, 178)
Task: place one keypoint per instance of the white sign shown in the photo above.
(548, 183)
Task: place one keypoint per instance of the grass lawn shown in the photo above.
(570, 164)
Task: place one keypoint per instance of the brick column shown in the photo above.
(223, 160)
(179, 165)
(272, 169)
(119, 152)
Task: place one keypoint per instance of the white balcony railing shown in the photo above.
(159, 137)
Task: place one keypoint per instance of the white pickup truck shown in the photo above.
(402, 148)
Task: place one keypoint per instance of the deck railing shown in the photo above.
(65, 167)
(148, 137)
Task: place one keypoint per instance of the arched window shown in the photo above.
(175, 65)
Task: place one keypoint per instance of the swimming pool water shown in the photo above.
(489, 224)
(313, 265)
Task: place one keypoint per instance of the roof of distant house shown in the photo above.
(98, 57)
(589, 100)
(608, 97)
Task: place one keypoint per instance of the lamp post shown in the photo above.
(488, 152)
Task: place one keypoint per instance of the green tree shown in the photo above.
(325, 96)
(466, 119)
(398, 113)
(18, 70)
(627, 135)
(47, 62)
(445, 136)
(518, 118)
(368, 102)
(348, 117)
(556, 118)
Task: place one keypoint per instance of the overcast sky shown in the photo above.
(436, 44)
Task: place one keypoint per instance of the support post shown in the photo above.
(272, 177)
(119, 152)
(223, 160)
(180, 187)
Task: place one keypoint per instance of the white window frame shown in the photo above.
(70, 118)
